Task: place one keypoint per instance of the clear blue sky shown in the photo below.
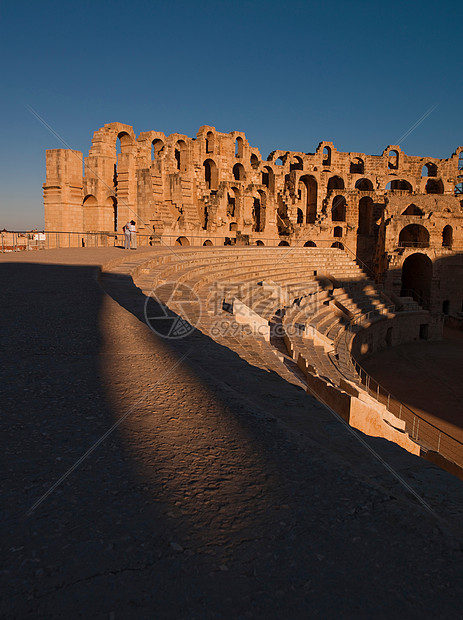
(288, 74)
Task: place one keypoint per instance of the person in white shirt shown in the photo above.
(126, 230)
(133, 235)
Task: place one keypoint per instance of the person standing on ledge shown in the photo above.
(126, 230)
(133, 235)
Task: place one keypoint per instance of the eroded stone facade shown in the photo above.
(381, 207)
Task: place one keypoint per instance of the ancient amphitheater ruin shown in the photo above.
(312, 259)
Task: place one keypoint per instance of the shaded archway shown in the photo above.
(434, 186)
(307, 193)
(90, 209)
(337, 232)
(110, 214)
(414, 236)
(357, 166)
(335, 183)
(268, 178)
(364, 185)
(254, 161)
(284, 243)
(258, 213)
(239, 147)
(157, 147)
(310, 244)
(207, 242)
(365, 216)
(429, 170)
(209, 142)
(238, 172)
(210, 174)
(337, 244)
(447, 236)
(260, 243)
(413, 210)
(182, 241)
(339, 209)
(300, 217)
(417, 277)
(399, 185)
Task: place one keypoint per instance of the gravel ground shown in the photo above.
(222, 490)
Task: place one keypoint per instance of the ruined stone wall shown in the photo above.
(218, 185)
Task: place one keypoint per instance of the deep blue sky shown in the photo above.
(288, 74)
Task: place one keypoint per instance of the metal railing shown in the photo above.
(422, 431)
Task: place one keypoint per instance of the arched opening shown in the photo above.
(337, 244)
(238, 172)
(357, 166)
(110, 214)
(180, 155)
(207, 242)
(268, 178)
(239, 147)
(231, 204)
(447, 237)
(326, 161)
(209, 142)
(157, 146)
(339, 209)
(414, 236)
(90, 208)
(285, 243)
(429, 170)
(337, 232)
(446, 306)
(364, 185)
(310, 244)
(434, 186)
(259, 242)
(279, 161)
(399, 185)
(182, 241)
(416, 278)
(413, 210)
(300, 216)
(335, 183)
(257, 216)
(365, 216)
(307, 191)
(297, 163)
(393, 161)
(210, 174)
(254, 161)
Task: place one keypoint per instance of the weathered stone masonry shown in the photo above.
(382, 207)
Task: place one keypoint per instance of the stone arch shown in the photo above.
(335, 182)
(157, 146)
(310, 244)
(357, 166)
(337, 232)
(239, 173)
(285, 243)
(326, 156)
(259, 242)
(413, 210)
(239, 146)
(364, 185)
(90, 212)
(308, 196)
(414, 236)
(110, 214)
(208, 242)
(296, 163)
(365, 215)
(393, 160)
(254, 161)
(182, 241)
(434, 186)
(268, 178)
(211, 174)
(447, 236)
(123, 142)
(429, 170)
(210, 142)
(258, 212)
(339, 209)
(180, 153)
(417, 277)
(338, 244)
(399, 184)
(300, 216)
